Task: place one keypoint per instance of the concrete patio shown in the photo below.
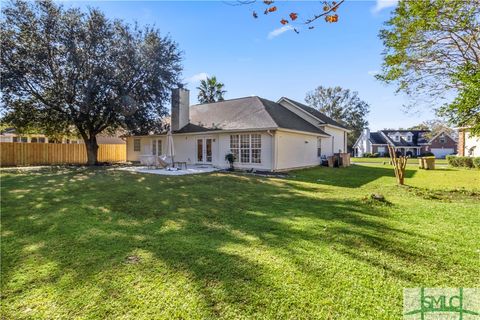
(167, 172)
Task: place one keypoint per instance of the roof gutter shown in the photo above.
(326, 135)
(206, 132)
(337, 127)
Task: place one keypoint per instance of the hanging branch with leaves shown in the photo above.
(328, 13)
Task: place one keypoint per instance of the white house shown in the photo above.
(468, 144)
(406, 142)
(262, 134)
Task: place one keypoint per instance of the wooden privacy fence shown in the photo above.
(23, 154)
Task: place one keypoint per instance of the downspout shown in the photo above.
(274, 149)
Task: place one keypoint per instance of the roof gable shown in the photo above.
(418, 137)
(315, 113)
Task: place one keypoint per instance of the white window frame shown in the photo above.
(159, 147)
(135, 141)
(442, 139)
(154, 147)
(249, 147)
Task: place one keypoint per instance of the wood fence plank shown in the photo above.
(21, 154)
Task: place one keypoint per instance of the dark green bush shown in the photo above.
(426, 154)
(370, 155)
(476, 162)
(455, 161)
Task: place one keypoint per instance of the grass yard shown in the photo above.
(101, 243)
(387, 160)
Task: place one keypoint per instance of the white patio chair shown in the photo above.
(147, 160)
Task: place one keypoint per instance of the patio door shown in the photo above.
(204, 150)
(157, 147)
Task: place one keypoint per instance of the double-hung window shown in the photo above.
(244, 148)
(235, 146)
(136, 145)
(256, 148)
(154, 147)
(159, 147)
(247, 148)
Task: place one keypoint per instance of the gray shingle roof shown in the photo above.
(191, 128)
(314, 112)
(245, 113)
(417, 138)
(377, 138)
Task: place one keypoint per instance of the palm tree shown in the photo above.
(210, 90)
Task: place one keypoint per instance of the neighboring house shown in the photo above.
(262, 134)
(406, 142)
(10, 135)
(442, 145)
(468, 145)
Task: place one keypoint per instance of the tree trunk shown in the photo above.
(92, 150)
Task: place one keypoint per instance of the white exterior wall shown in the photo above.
(266, 155)
(329, 145)
(184, 145)
(6, 138)
(472, 143)
(336, 141)
(186, 149)
(294, 150)
(363, 145)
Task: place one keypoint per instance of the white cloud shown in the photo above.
(279, 31)
(372, 72)
(197, 77)
(383, 4)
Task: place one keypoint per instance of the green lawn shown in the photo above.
(387, 160)
(98, 243)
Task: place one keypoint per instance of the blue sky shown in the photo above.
(253, 57)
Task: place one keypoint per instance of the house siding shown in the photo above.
(335, 143)
(186, 149)
(378, 149)
(294, 150)
(338, 137)
(441, 149)
(471, 144)
(449, 143)
(362, 145)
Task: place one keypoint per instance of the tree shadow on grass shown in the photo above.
(222, 231)
(351, 177)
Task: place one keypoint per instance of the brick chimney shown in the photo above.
(180, 108)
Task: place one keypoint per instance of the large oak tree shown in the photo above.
(342, 105)
(64, 69)
(432, 53)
